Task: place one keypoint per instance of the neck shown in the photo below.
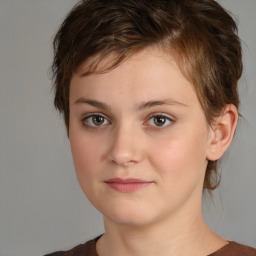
(184, 234)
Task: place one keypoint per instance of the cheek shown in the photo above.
(87, 157)
(86, 152)
(180, 158)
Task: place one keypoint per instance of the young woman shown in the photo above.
(148, 90)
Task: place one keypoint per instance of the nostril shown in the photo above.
(123, 149)
(123, 162)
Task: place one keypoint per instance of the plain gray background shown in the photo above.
(42, 208)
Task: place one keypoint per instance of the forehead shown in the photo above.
(149, 74)
(103, 63)
(151, 58)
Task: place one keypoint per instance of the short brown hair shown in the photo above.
(200, 34)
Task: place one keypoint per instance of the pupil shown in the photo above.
(97, 120)
(159, 120)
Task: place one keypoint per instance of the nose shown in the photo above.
(126, 147)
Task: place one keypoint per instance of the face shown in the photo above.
(139, 140)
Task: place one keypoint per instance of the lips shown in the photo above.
(127, 185)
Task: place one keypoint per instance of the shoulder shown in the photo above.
(235, 249)
(86, 249)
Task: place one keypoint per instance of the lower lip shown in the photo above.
(128, 187)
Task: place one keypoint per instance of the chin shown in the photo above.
(129, 216)
(129, 221)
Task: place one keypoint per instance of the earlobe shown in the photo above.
(222, 132)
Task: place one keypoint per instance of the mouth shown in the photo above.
(127, 185)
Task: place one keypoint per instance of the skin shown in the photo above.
(115, 133)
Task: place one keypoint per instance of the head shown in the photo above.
(199, 34)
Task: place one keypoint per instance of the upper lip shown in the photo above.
(128, 180)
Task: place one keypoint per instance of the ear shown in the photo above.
(222, 132)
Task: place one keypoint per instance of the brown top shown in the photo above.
(89, 249)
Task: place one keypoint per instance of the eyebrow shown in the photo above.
(139, 107)
(153, 103)
(93, 103)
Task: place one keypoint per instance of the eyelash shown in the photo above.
(161, 115)
(86, 123)
(85, 120)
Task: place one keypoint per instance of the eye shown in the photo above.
(160, 120)
(95, 120)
